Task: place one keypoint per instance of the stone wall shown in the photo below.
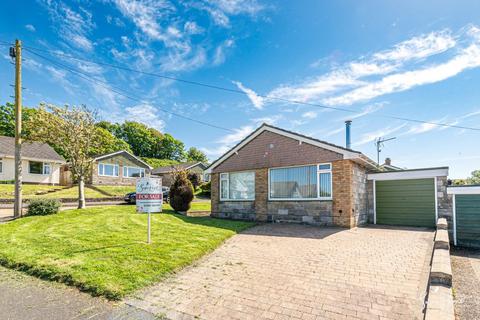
(360, 195)
(120, 180)
(445, 203)
(311, 212)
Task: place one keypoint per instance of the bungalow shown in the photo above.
(40, 162)
(281, 176)
(166, 172)
(118, 168)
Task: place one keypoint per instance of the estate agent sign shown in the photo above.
(149, 198)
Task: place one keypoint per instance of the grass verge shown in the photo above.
(102, 250)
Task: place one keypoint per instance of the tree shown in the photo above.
(73, 130)
(475, 178)
(7, 119)
(181, 192)
(171, 148)
(193, 154)
(108, 143)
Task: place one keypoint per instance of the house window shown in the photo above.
(108, 169)
(37, 167)
(133, 172)
(313, 182)
(237, 186)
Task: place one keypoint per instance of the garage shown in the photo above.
(406, 197)
(466, 215)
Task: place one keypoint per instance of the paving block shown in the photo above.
(441, 271)
(442, 224)
(441, 239)
(440, 303)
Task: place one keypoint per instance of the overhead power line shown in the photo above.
(216, 87)
(122, 92)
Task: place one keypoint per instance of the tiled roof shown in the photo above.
(32, 150)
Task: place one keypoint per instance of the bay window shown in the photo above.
(311, 182)
(237, 185)
(108, 169)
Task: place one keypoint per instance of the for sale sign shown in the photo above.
(149, 196)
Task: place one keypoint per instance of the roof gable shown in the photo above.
(344, 152)
(125, 154)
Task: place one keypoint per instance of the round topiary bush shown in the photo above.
(181, 192)
(43, 207)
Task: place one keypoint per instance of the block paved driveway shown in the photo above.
(277, 271)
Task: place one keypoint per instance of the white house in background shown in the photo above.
(40, 163)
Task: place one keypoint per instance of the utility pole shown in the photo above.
(379, 144)
(17, 54)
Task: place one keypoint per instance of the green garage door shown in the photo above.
(467, 211)
(406, 202)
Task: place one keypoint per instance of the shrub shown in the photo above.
(194, 179)
(206, 189)
(181, 192)
(43, 207)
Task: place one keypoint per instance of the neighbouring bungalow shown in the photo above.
(40, 162)
(275, 175)
(166, 172)
(118, 168)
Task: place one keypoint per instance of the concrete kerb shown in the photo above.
(440, 297)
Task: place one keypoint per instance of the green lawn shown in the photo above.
(102, 250)
(7, 191)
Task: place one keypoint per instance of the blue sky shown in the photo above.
(411, 59)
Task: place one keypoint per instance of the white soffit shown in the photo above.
(464, 190)
(409, 174)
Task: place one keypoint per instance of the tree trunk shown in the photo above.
(81, 193)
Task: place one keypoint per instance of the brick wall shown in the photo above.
(269, 150)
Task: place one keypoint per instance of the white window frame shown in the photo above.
(44, 165)
(142, 170)
(101, 172)
(49, 166)
(318, 198)
(227, 174)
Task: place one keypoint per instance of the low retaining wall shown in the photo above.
(440, 298)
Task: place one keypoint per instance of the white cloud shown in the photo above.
(219, 56)
(420, 60)
(467, 58)
(146, 114)
(73, 26)
(257, 101)
(191, 27)
(419, 47)
(372, 135)
(309, 115)
(268, 119)
(30, 27)
(238, 135)
(366, 111)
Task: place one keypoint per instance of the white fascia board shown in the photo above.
(36, 159)
(404, 175)
(346, 154)
(464, 190)
(120, 152)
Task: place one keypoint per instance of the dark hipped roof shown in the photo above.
(30, 150)
(179, 166)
